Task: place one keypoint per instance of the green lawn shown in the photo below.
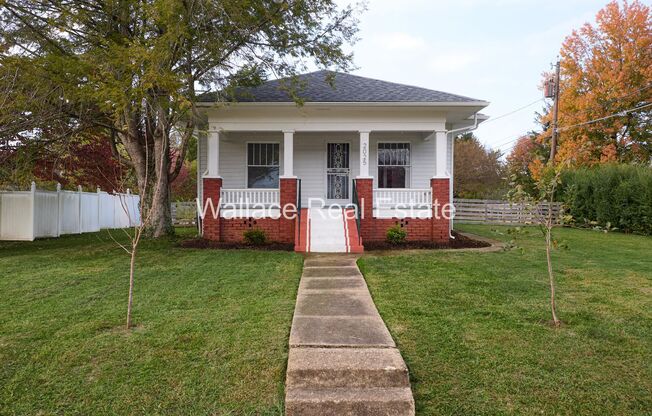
(211, 336)
(471, 326)
(212, 327)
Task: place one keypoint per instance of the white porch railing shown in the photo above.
(242, 198)
(402, 198)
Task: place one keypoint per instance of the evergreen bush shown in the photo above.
(610, 196)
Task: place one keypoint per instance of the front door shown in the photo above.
(337, 172)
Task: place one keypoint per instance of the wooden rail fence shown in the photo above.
(184, 213)
(480, 211)
(472, 211)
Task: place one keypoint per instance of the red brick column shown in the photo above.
(365, 191)
(441, 210)
(288, 199)
(211, 223)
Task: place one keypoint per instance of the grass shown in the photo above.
(211, 334)
(212, 327)
(473, 326)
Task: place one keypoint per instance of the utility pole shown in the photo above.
(555, 116)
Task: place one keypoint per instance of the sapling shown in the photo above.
(139, 228)
(541, 204)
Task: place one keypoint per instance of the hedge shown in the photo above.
(615, 195)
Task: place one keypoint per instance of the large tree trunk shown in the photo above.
(160, 218)
(149, 152)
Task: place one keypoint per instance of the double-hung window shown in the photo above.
(393, 165)
(263, 165)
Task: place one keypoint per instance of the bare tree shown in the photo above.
(140, 226)
(542, 208)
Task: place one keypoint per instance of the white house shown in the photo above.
(372, 154)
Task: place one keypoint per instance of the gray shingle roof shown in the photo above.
(314, 87)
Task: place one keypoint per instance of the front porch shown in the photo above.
(270, 180)
(326, 161)
(265, 203)
(380, 150)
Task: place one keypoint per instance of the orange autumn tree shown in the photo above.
(606, 68)
(526, 158)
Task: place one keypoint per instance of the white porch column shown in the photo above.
(288, 153)
(213, 154)
(441, 155)
(364, 154)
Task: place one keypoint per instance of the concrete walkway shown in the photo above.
(342, 361)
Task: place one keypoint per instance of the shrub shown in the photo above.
(613, 195)
(255, 237)
(396, 235)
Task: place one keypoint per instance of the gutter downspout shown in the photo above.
(452, 132)
(200, 186)
(471, 128)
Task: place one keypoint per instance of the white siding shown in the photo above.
(317, 124)
(310, 157)
(233, 155)
(310, 160)
(422, 153)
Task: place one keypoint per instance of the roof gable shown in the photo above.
(347, 88)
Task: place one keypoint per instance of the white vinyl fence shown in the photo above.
(26, 215)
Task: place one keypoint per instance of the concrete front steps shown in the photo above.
(342, 360)
(327, 230)
(346, 401)
(347, 381)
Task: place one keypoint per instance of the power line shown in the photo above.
(613, 100)
(512, 138)
(565, 128)
(618, 114)
(634, 92)
(555, 115)
(512, 112)
(517, 139)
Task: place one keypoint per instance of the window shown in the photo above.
(262, 165)
(393, 165)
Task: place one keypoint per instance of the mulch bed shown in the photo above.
(202, 243)
(459, 242)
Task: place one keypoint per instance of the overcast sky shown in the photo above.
(494, 50)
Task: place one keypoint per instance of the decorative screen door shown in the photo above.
(337, 171)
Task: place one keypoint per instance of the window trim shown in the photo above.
(246, 160)
(408, 182)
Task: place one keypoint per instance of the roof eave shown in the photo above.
(350, 104)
